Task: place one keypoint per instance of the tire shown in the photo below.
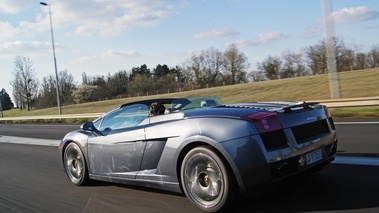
(206, 180)
(75, 165)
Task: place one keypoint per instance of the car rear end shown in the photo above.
(293, 137)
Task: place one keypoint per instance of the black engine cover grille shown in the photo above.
(309, 131)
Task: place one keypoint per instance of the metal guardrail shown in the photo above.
(332, 103)
(43, 117)
(351, 102)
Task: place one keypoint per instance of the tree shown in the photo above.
(99, 92)
(374, 57)
(204, 68)
(25, 83)
(236, 65)
(6, 102)
(196, 66)
(360, 61)
(48, 95)
(85, 78)
(67, 86)
(141, 84)
(117, 84)
(293, 65)
(256, 75)
(213, 65)
(142, 70)
(316, 55)
(83, 93)
(271, 66)
(160, 71)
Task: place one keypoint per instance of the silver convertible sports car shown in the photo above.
(210, 151)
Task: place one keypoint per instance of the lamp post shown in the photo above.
(55, 60)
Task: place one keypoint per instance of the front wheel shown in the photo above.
(206, 181)
(75, 164)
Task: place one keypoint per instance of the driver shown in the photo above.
(156, 108)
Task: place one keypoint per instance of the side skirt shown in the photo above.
(167, 186)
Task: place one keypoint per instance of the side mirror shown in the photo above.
(90, 127)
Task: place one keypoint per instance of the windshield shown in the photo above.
(195, 102)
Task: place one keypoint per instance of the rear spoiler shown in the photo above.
(300, 106)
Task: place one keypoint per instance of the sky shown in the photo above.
(102, 36)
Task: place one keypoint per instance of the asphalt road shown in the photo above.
(358, 136)
(43, 131)
(32, 180)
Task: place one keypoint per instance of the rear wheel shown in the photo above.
(206, 180)
(75, 164)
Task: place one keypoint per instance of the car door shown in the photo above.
(118, 151)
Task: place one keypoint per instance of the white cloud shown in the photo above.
(24, 47)
(262, 39)
(354, 15)
(7, 31)
(224, 33)
(108, 55)
(102, 17)
(14, 6)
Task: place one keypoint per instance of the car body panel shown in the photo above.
(119, 152)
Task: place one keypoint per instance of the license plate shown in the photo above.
(313, 156)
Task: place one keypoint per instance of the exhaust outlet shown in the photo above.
(283, 168)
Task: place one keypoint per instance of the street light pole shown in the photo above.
(55, 60)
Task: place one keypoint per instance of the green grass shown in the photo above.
(362, 112)
(353, 84)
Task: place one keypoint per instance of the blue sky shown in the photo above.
(101, 36)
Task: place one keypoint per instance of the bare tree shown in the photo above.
(271, 66)
(47, 96)
(67, 85)
(374, 57)
(196, 65)
(360, 61)
(16, 85)
(316, 55)
(293, 65)
(256, 75)
(213, 66)
(25, 83)
(236, 65)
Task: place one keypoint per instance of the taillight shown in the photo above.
(265, 121)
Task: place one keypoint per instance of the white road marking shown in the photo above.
(352, 160)
(31, 141)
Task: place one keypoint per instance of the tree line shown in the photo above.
(208, 68)
(313, 61)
